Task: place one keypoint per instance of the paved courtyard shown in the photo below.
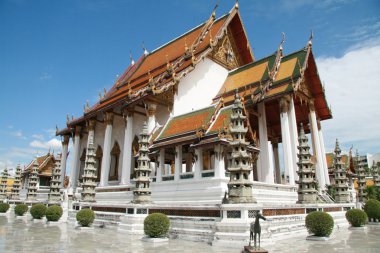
(22, 236)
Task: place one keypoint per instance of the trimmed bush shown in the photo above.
(319, 223)
(21, 209)
(4, 207)
(85, 217)
(54, 213)
(156, 225)
(356, 217)
(38, 211)
(372, 209)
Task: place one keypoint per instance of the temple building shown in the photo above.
(45, 168)
(185, 91)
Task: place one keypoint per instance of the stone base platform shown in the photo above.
(251, 249)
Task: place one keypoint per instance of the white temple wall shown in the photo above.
(162, 115)
(100, 128)
(199, 87)
(138, 121)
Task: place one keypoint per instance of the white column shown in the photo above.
(178, 162)
(198, 163)
(219, 171)
(316, 147)
(286, 143)
(276, 163)
(65, 148)
(127, 150)
(151, 116)
(161, 167)
(324, 160)
(75, 163)
(266, 170)
(293, 135)
(106, 161)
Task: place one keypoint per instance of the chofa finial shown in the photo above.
(282, 41)
(310, 38)
(144, 49)
(131, 58)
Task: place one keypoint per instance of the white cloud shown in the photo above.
(50, 132)
(38, 136)
(51, 144)
(18, 134)
(352, 83)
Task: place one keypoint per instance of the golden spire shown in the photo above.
(236, 4)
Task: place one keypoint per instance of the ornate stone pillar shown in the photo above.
(76, 156)
(151, 116)
(293, 135)
(106, 161)
(198, 163)
(323, 151)
(316, 146)
(276, 162)
(266, 169)
(286, 142)
(127, 150)
(161, 166)
(65, 148)
(219, 171)
(178, 162)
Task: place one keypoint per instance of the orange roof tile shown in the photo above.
(186, 123)
(223, 120)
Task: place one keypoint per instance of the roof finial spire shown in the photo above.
(144, 49)
(237, 4)
(214, 11)
(310, 39)
(130, 57)
(282, 41)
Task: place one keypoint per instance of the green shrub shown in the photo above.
(372, 208)
(54, 213)
(319, 223)
(85, 217)
(356, 217)
(4, 207)
(21, 209)
(38, 211)
(156, 225)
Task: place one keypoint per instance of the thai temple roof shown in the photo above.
(45, 165)
(180, 124)
(151, 66)
(266, 79)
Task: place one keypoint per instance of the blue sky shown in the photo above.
(55, 55)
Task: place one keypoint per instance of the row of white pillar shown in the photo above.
(269, 164)
(219, 165)
(127, 161)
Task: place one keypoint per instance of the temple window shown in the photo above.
(115, 155)
(208, 159)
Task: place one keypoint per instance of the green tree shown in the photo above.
(372, 192)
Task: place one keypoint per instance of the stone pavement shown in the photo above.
(22, 236)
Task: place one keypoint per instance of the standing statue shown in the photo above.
(256, 229)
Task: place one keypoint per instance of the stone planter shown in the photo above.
(22, 217)
(6, 214)
(43, 220)
(317, 238)
(85, 228)
(53, 223)
(155, 240)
